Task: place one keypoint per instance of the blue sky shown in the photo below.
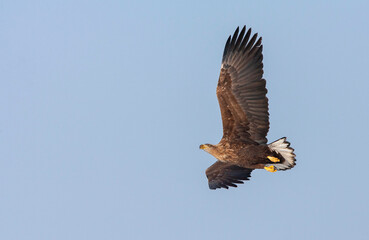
(104, 105)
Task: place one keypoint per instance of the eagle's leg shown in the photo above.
(273, 159)
(270, 168)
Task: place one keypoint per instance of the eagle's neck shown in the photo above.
(220, 152)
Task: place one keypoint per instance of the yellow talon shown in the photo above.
(273, 159)
(270, 169)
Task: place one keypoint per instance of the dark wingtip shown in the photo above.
(226, 48)
(236, 31)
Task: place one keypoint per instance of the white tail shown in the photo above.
(282, 147)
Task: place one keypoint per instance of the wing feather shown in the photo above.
(224, 175)
(241, 89)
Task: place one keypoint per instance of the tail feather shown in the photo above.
(282, 146)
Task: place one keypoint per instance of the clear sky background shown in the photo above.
(104, 105)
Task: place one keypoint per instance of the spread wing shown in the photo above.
(224, 175)
(241, 89)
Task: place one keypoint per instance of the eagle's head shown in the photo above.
(207, 147)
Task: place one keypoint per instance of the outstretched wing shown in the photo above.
(224, 175)
(241, 89)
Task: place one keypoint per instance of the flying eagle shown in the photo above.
(243, 104)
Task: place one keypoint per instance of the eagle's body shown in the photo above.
(244, 155)
(243, 103)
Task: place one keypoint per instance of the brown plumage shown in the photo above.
(243, 104)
